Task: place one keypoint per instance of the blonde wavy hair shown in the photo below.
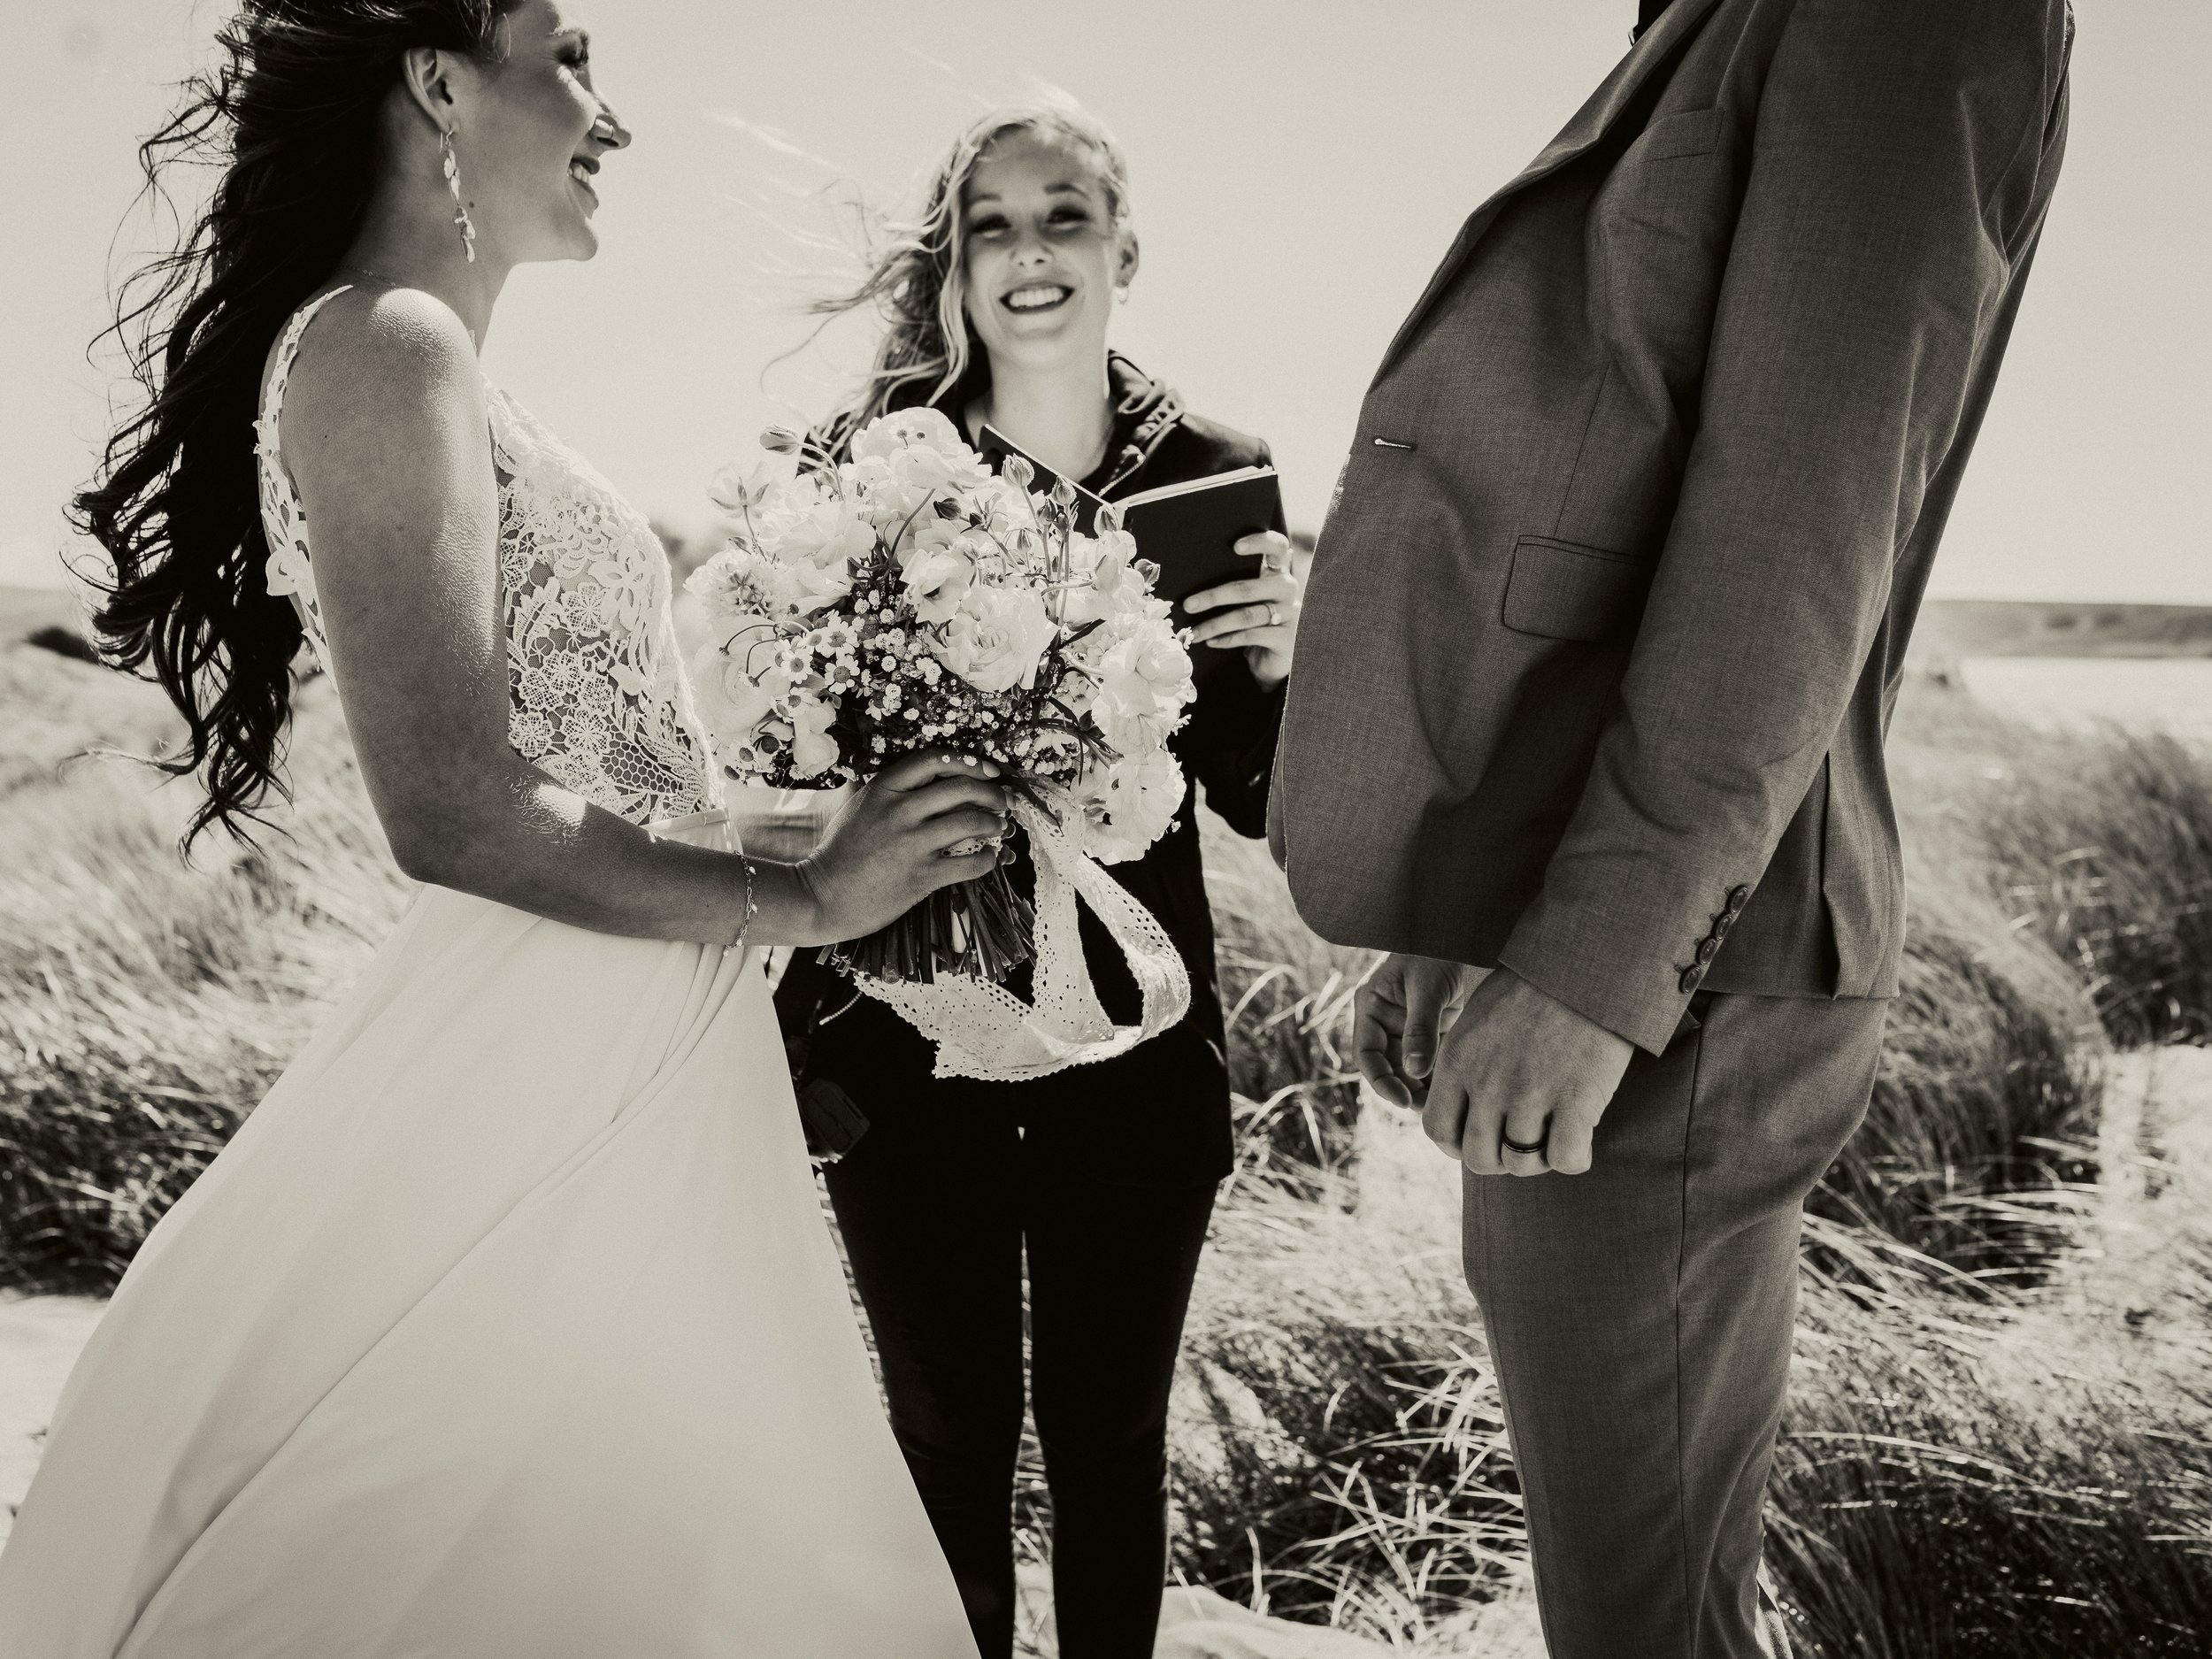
(917, 272)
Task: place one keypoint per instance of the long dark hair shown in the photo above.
(290, 114)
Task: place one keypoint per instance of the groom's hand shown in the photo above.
(1398, 1017)
(1520, 1065)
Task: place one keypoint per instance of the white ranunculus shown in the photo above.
(937, 580)
(1133, 731)
(928, 468)
(737, 586)
(821, 586)
(897, 508)
(919, 428)
(1150, 671)
(731, 700)
(830, 532)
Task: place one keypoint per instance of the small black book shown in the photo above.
(1190, 530)
(997, 446)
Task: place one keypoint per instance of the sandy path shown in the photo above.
(39, 1339)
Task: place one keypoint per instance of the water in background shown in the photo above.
(2172, 692)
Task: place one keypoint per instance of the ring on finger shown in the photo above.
(1274, 614)
(1511, 1145)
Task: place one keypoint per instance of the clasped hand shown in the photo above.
(1487, 1058)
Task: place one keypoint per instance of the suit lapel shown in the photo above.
(1590, 124)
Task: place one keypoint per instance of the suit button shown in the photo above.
(1707, 948)
(1726, 920)
(1689, 981)
(1737, 897)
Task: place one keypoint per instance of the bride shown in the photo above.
(507, 1324)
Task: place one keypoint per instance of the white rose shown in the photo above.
(813, 750)
(997, 639)
(1130, 805)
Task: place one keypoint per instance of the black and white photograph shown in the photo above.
(1181, 832)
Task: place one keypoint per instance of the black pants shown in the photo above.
(935, 1218)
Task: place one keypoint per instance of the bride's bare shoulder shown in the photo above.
(390, 358)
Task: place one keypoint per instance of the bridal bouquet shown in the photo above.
(907, 597)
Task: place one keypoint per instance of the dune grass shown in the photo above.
(146, 1005)
(1976, 1461)
(1969, 1468)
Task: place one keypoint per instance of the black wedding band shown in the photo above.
(1511, 1145)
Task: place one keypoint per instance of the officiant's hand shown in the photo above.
(1256, 614)
(1518, 1064)
(1399, 1014)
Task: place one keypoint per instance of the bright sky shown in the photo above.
(1298, 170)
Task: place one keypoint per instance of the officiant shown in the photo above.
(998, 302)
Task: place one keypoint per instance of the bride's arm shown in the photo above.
(385, 435)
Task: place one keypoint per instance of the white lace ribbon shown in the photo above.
(983, 1030)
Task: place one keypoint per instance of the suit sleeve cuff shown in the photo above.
(1629, 969)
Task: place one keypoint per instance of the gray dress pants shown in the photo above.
(1639, 1317)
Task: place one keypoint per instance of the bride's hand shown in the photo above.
(890, 848)
(1256, 614)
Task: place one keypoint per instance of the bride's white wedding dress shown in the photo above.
(508, 1324)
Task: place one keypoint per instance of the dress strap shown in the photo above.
(288, 353)
(289, 572)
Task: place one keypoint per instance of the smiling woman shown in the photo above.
(417, 1364)
(1060, 172)
(1101, 1178)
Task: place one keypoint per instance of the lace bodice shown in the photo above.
(596, 693)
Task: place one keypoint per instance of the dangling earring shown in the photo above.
(460, 208)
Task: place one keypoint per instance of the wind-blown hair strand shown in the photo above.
(290, 114)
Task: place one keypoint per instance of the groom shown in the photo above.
(1603, 636)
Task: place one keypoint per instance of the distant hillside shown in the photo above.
(54, 708)
(24, 611)
(1952, 628)
(1948, 628)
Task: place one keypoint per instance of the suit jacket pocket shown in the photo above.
(1562, 590)
(1692, 133)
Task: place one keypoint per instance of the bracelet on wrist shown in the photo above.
(752, 902)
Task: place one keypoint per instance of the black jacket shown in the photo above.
(1157, 1116)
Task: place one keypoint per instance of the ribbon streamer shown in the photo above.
(983, 1030)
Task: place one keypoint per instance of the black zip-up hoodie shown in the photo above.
(1157, 1116)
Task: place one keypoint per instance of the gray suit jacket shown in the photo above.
(1606, 623)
